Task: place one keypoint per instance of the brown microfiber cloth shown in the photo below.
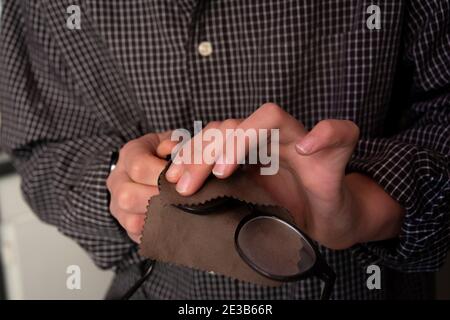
(205, 242)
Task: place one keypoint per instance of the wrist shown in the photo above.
(377, 215)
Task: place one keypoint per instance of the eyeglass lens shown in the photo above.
(275, 247)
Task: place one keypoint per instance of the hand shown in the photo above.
(134, 180)
(336, 210)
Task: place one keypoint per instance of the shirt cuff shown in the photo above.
(418, 180)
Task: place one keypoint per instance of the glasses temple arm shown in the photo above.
(327, 275)
(148, 268)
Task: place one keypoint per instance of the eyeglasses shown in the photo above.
(260, 236)
(258, 239)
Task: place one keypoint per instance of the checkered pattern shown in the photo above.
(69, 98)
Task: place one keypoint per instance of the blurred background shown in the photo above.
(34, 257)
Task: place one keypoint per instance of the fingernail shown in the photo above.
(304, 146)
(173, 172)
(184, 182)
(219, 169)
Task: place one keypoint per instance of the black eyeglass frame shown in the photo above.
(319, 269)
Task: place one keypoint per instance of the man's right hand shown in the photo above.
(134, 180)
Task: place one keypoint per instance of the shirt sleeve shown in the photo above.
(413, 165)
(60, 150)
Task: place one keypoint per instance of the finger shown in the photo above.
(189, 153)
(269, 116)
(328, 134)
(165, 145)
(135, 237)
(116, 178)
(165, 148)
(194, 175)
(132, 223)
(142, 166)
(164, 135)
(116, 211)
(132, 197)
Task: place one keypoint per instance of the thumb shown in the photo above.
(328, 134)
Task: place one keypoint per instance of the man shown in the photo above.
(363, 112)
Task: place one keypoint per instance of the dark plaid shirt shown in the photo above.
(69, 98)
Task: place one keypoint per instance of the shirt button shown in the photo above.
(205, 48)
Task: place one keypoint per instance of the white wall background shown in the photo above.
(36, 256)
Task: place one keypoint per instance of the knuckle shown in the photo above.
(124, 198)
(136, 170)
(326, 128)
(271, 107)
(213, 124)
(112, 209)
(109, 182)
(127, 146)
(230, 123)
(273, 110)
(116, 212)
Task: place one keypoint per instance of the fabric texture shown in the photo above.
(206, 241)
(69, 98)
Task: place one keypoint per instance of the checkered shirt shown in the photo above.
(70, 97)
